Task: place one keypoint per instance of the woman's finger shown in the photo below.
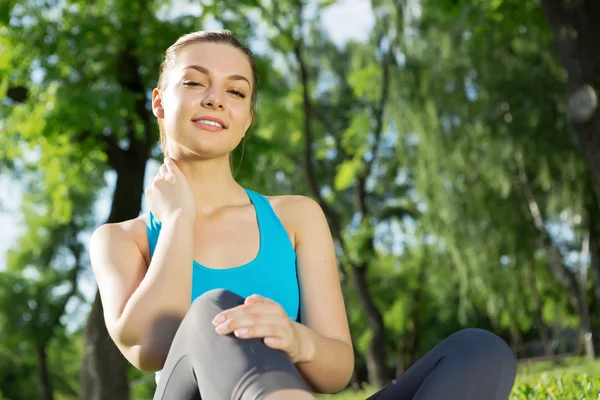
(247, 321)
(235, 312)
(275, 342)
(162, 170)
(256, 298)
(261, 331)
(165, 174)
(172, 166)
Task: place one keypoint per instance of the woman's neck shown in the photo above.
(213, 184)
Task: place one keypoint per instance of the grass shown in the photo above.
(575, 379)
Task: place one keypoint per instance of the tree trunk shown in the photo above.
(537, 304)
(376, 360)
(408, 351)
(516, 340)
(104, 372)
(400, 358)
(595, 265)
(586, 326)
(584, 315)
(564, 276)
(595, 252)
(104, 369)
(375, 357)
(586, 323)
(416, 313)
(576, 30)
(43, 374)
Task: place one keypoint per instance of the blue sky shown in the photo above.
(348, 19)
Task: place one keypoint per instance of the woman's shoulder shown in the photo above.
(302, 217)
(288, 202)
(132, 229)
(296, 210)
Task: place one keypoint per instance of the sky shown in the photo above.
(346, 20)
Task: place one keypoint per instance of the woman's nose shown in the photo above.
(212, 99)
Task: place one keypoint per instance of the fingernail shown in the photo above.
(218, 319)
(222, 328)
(240, 332)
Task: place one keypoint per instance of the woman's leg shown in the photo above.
(203, 364)
(471, 364)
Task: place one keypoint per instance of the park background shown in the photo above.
(454, 146)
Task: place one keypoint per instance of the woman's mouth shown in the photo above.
(208, 125)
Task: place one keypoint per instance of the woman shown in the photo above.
(234, 295)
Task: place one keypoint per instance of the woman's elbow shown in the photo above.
(347, 370)
(147, 353)
(342, 378)
(147, 350)
(150, 360)
(345, 379)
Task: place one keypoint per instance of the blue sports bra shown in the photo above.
(271, 274)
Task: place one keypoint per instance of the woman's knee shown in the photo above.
(211, 302)
(203, 310)
(481, 347)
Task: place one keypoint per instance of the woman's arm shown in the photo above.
(143, 306)
(325, 332)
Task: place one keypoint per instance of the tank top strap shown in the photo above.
(273, 233)
(153, 229)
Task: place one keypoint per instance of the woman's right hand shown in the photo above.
(170, 195)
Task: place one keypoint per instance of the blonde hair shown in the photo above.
(219, 36)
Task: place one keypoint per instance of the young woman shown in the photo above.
(230, 294)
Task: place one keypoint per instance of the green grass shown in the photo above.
(574, 379)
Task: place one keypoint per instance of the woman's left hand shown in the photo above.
(260, 317)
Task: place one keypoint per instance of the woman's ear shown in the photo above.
(157, 106)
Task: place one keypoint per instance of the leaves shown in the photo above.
(567, 386)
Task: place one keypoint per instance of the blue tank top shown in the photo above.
(271, 274)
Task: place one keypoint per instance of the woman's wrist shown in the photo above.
(181, 222)
(306, 343)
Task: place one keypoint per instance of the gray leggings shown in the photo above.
(471, 364)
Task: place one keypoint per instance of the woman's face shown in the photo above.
(206, 102)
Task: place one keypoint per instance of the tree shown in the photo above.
(523, 122)
(575, 29)
(91, 98)
(93, 74)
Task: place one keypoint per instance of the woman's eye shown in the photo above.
(237, 93)
(192, 83)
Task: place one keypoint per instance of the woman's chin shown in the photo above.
(198, 152)
(205, 146)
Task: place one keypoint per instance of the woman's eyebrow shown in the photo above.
(205, 71)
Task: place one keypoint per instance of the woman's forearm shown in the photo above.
(328, 363)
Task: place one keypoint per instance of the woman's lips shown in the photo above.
(207, 127)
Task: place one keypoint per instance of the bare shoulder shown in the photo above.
(300, 215)
(295, 207)
(133, 230)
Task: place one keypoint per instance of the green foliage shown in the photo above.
(567, 386)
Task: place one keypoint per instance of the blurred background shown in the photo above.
(453, 144)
